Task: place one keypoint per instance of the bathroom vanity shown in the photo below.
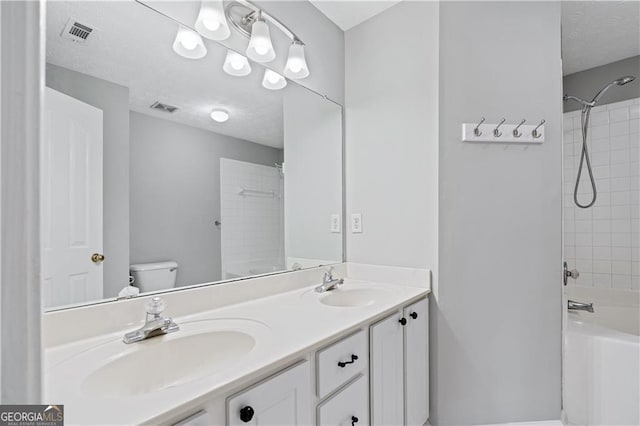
(288, 355)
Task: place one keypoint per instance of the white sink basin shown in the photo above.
(200, 349)
(351, 298)
(157, 364)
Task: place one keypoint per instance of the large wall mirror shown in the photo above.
(169, 171)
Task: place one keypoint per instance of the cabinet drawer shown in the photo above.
(342, 361)
(349, 406)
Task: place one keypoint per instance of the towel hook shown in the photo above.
(477, 131)
(517, 134)
(535, 132)
(497, 132)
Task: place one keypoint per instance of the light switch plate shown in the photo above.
(335, 223)
(356, 223)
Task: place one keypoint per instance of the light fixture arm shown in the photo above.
(243, 13)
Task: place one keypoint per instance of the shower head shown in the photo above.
(619, 82)
(624, 80)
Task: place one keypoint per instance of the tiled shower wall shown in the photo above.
(252, 224)
(602, 242)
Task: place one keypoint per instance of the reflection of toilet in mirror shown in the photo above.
(154, 276)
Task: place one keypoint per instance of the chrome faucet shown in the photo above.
(155, 324)
(578, 306)
(328, 282)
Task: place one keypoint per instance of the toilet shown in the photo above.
(154, 276)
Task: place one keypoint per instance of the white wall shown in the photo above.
(312, 176)
(392, 136)
(496, 324)
(602, 242)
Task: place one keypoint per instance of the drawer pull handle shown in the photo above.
(343, 364)
(403, 321)
(246, 414)
(354, 420)
(414, 315)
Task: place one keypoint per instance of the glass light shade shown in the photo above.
(273, 81)
(236, 65)
(189, 44)
(260, 47)
(296, 67)
(211, 22)
(219, 115)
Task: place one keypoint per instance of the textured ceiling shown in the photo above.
(595, 33)
(348, 13)
(131, 46)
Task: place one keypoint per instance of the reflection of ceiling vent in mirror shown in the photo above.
(76, 31)
(164, 107)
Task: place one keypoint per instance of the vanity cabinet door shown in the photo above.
(284, 399)
(387, 371)
(417, 363)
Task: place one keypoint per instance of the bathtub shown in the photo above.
(602, 358)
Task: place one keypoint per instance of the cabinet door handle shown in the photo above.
(246, 414)
(343, 364)
(414, 315)
(354, 420)
(403, 321)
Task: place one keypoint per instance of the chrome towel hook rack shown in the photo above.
(503, 132)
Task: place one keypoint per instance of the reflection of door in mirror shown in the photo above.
(71, 174)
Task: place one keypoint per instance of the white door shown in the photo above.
(71, 182)
(281, 400)
(417, 363)
(387, 372)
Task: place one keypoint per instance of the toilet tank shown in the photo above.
(154, 276)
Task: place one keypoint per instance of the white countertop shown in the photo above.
(286, 327)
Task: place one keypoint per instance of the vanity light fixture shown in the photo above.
(296, 67)
(260, 48)
(236, 65)
(254, 23)
(189, 44)
(273, 81)
(211, 22)
(219, 115)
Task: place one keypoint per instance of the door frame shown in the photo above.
(22, 46)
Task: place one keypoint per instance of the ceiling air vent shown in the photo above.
(76, 31)
(164, 107)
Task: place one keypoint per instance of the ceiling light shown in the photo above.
(189, 44)
(235, 64)
(260, 47)
(296, 66)
(219, 115)
(273, 81)
(211, 21)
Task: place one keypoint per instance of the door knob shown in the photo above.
(246, 414)
(97, 257)
(403, 321)
(414, 315)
